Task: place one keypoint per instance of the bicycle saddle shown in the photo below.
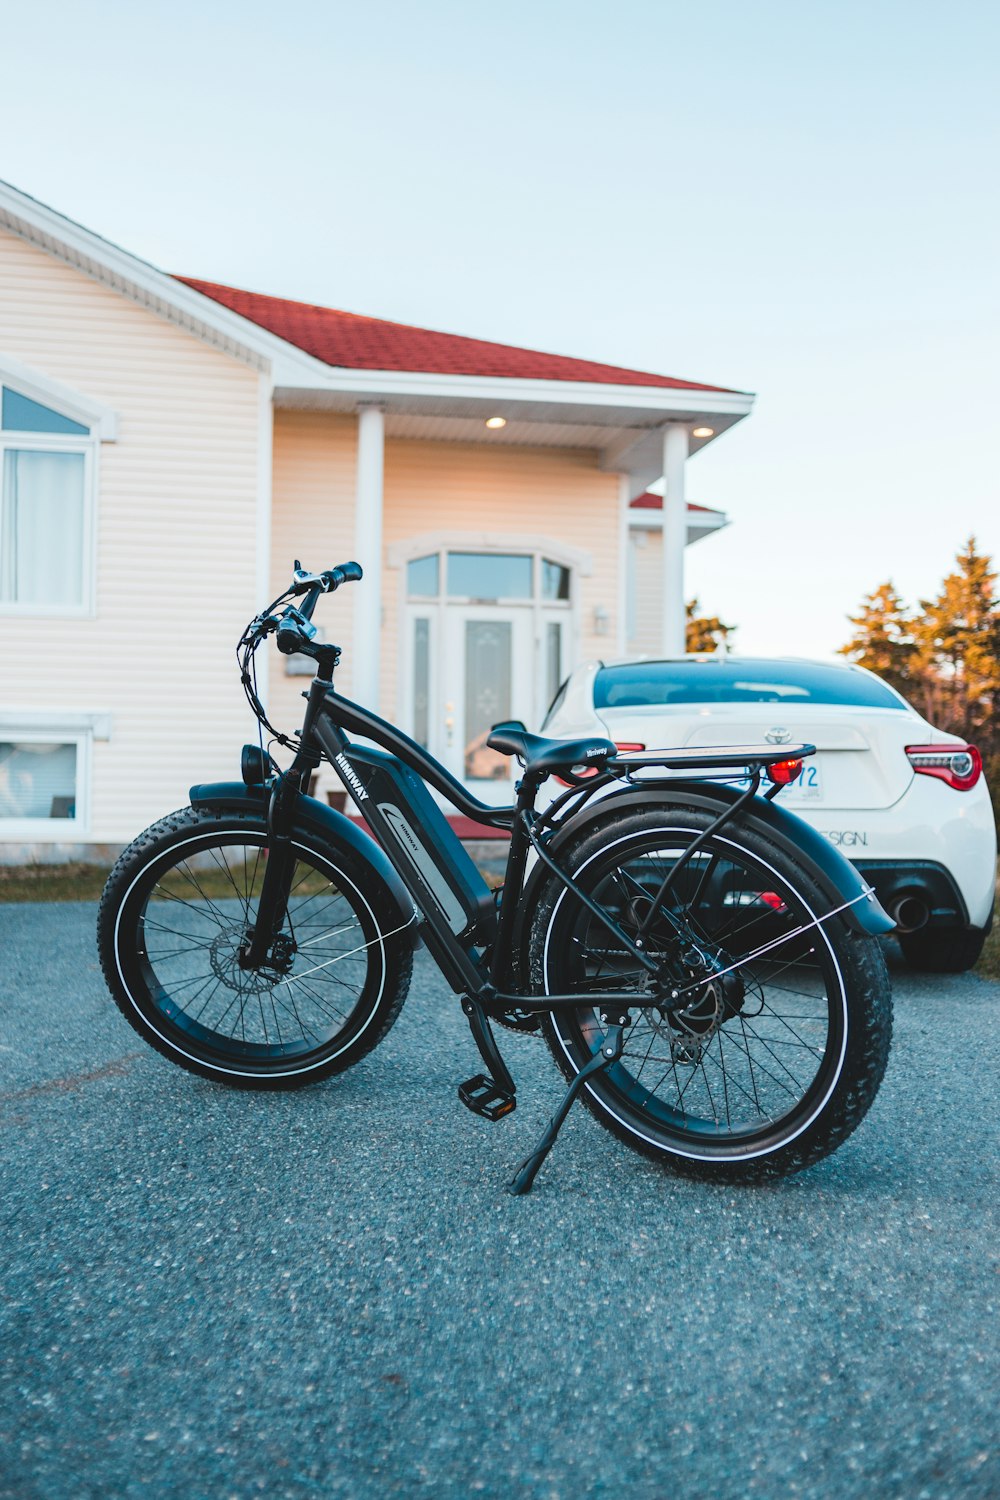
(539, 754)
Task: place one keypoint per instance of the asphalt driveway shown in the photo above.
(210, 1293)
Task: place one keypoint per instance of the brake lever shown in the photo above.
(302, 581)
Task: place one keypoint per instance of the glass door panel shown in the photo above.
(488, 671)
(422, 681)
(552, 660)
(487, 676)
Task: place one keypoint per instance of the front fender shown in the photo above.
(311, 813)
(832, 872)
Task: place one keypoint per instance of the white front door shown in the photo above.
(487, 638)
(486, 677)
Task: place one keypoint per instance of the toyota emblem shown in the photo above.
(778, 736)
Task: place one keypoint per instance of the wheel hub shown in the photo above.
(708, 1002)
(227, 958)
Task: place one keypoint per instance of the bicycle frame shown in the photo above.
(472, 943)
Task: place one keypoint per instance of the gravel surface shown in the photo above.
(211, 1293)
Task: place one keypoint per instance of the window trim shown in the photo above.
(53, 830)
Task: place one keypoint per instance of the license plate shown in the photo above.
(809, 786)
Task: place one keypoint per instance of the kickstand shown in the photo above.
(611, 1051)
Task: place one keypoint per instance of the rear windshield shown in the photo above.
(727, 680)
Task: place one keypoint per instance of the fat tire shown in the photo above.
(866, 985)
(134, 1000)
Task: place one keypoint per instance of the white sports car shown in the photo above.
(905, 802)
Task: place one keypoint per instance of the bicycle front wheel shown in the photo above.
(175, 915)
(781, 1041)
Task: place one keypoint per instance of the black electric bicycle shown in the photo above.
(702, 964)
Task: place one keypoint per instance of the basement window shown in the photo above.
(41, 784)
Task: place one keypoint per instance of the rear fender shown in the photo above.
(832, 872)
(312, 814)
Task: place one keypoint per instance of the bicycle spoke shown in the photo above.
(193, 954)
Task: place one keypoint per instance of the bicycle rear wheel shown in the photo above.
(174, 917)
(782, 1040)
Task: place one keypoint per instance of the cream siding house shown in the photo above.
(168, 448)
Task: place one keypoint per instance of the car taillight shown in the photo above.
(959, 765)
(586, 771)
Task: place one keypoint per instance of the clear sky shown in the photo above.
(795, 199)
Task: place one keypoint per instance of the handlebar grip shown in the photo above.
(349, 572)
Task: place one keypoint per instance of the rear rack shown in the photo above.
(711, 757)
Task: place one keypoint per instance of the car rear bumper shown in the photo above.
(918, 893)
(931, 827)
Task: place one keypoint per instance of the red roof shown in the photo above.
(651, 501)
(352, 342)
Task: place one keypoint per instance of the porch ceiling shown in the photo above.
(616, 431)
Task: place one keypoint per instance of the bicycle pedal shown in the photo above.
(486, 1098)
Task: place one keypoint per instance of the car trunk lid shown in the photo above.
(860, 761)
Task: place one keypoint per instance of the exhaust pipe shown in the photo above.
(909, 913)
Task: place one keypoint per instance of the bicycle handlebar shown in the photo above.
(326, 582)
(293, 628)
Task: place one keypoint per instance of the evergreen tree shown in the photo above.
(958, 638)
(946, 658)
(883, 639)
(705, 632)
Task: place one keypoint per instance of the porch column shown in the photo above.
(675, 452)
(366, 646)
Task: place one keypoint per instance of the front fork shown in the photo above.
(259, 940)
(272, 907)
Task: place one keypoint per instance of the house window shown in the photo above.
(46, 463)
(555, 580)
(488, 578)
(422, 577)
(21, 414)
(41, 781)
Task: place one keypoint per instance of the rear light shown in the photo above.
(585, 771)
(959, 765)
(783, 772)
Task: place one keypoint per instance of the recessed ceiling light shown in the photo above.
(703, 432)
(496, 422)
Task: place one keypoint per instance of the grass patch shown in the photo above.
(989, 960)
(988, 966)
(71, 882)
(207, 883)
(80, 882)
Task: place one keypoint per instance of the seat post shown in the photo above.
(517, 859)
